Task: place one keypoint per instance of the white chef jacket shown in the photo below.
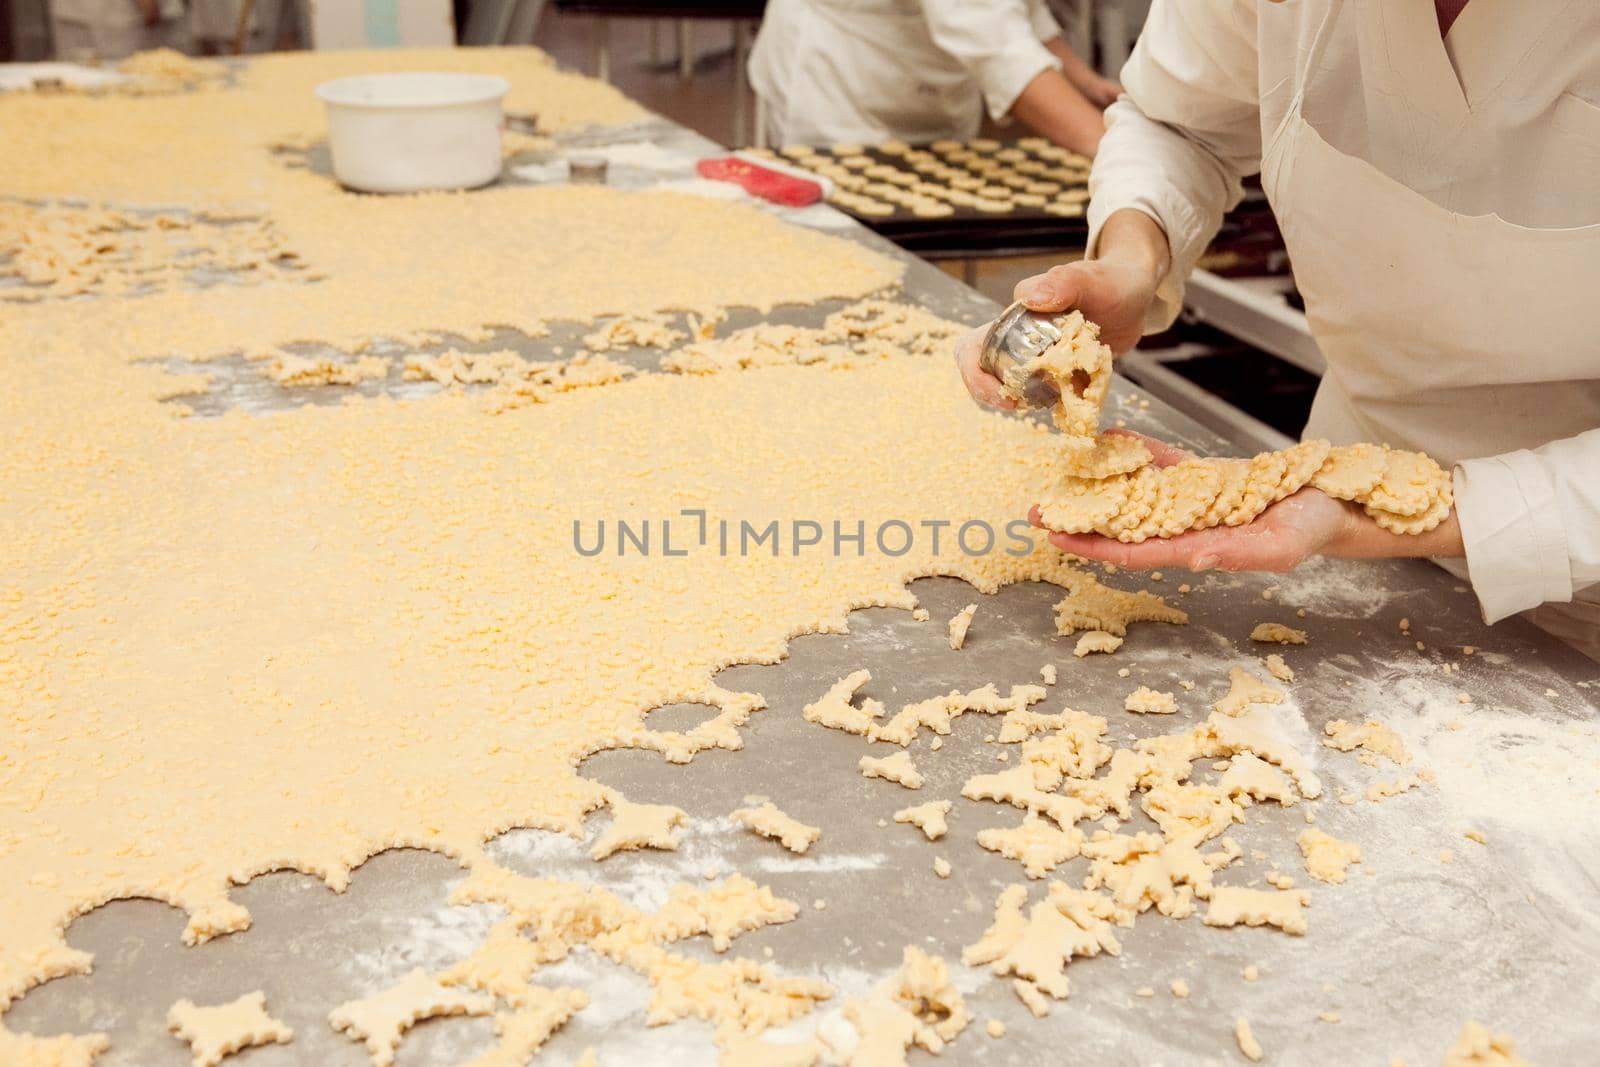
(917, 70)
(1493, 133)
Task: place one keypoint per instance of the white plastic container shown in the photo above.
(403, 133)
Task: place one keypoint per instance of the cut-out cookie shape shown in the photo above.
(216, 1032)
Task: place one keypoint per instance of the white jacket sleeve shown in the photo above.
(1045, 26)
(1184, 134)
(996, 41)
(1530, 521)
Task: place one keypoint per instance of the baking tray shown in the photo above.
(1022, 166)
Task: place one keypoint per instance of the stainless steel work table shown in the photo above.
(1507, 932)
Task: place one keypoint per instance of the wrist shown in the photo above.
(1359, 537)
(1135, 242)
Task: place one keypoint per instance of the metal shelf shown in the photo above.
(1255, 311)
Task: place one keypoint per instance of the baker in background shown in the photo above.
(1435, 169)
(868, 71)
(115, 29)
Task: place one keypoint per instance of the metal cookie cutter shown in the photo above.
(1016, 337)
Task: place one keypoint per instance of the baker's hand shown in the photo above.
(1114, 291)
(1114, 294)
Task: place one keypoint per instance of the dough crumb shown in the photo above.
(920, 615)
(1251, 973)
(1476, 835)
(1123, 672)
(1096, 641)
(1048, 673)
(1279, 669)
(941, 866)
(1277, 633)
(958, 625)
(897, 768)
(1328, 1016)
(1147, 701)
(1371, 736)
(1248, 1045)
(929, 818)
(635, 826)
(1180, 988)
(1185, 588)
(1476, 1047)
(995, 1028)
(819, 904)
(1145, 991)
(1327, 858)
(1283, 908)
(1245, 689)
(788, 831)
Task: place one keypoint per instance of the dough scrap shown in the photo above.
(1249, 1047)
(379, 1021)
(216, 1032)
(1036, 948)
(1278, 668)
(834, 708)
(1245, 689)
(1476, 1046)
(721, 911)
(768, 821)
(1146, 870)
(1018, 787)
(1147, 701)
(1037, 845)
(1250, 778)
(1277, 633)
(930, 818)
(523, 1030)
(1370, 736)
(918, 1005)
(1257, 732)
(1327, 857)
(937, 713)
(635, 826)
(299, 372)
(1096, 641)
(897, 768)
(1283, 908)
(1089, 605)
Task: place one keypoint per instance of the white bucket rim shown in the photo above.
(412, 90)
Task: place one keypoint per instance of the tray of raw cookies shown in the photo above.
(1024, 193)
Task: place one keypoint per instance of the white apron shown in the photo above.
(1440, 329)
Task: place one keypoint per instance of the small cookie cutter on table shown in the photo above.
(1014, 339)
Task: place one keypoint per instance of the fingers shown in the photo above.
(984, 387)
(1153, 554)
(1226, 549)
(1057, 289)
